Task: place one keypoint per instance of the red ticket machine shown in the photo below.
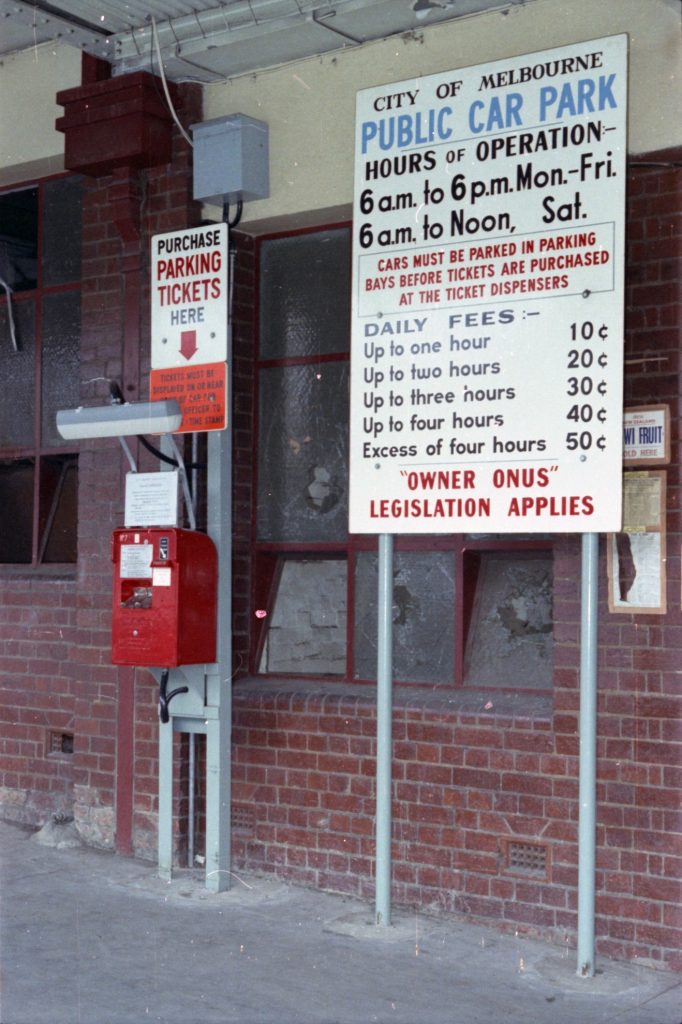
(164, 599)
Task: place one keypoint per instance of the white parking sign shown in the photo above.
(487, 348)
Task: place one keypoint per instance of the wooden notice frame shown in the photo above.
(636, 557)
(646, 435)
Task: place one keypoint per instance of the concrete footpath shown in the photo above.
(91, 938)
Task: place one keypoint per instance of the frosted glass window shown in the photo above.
(61, 349)
(423, 616)
(510, 635)
(306, 630)
(303, 453)
(17, 374)
(305, 295)
(62, 231)
(40, 253)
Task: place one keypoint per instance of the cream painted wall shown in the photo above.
(29, 144)
(310, 106)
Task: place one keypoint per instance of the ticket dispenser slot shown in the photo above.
(164, 597)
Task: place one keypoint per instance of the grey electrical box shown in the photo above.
(231, 159)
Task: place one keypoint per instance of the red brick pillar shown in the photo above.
(119, 134)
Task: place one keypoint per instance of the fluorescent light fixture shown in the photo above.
(119, 420)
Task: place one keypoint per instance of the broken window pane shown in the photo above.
(303, 453)
(509, 640)
(423, 616)
(306, 631)
(305, 295)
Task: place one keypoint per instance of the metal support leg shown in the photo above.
(165, 836)
(588, 754)
(384, 730)
(219, 680)
(218, 804)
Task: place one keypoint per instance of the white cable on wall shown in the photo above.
(10, 314)
(165, 84)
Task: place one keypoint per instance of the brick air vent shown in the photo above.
(243, 818)
(530, 859)
(59, 743)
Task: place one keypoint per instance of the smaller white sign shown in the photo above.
(152, 499)
(161, 577)
(646, 435)
(136, 560)
(189, 297)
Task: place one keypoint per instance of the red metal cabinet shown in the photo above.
(164, 597)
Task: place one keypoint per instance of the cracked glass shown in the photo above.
(423, 616)
(303, 453)
(307, 628)
(510, 635)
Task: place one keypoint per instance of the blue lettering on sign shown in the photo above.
(629, 435)
(650, 435)
(404, 130)
(496, 114)
(575, 98)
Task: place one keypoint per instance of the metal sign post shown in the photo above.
(589, 605)
(487, 310)
(384, 730)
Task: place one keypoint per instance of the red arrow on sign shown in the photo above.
(188, 343)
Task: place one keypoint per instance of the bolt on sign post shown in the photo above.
(487, 305)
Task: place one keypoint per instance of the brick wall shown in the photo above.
(485, 811)
(37, 695)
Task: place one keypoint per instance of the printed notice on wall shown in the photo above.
(637, 555)
(487, 345)
(151, 499)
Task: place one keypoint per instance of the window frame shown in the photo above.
(38, 451)
(268, 555)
